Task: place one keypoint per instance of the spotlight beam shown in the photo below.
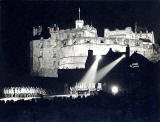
(98, 57)
(91, 73)
(90, 76)
(104, 71)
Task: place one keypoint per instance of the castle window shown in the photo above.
(64, 44)
(102, 41)
(54, 55)
(40, 45)
(40, 54)
(88, 41)
(137, 44)
(75, 42)
(126, 41)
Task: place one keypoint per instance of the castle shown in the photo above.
(68, 49)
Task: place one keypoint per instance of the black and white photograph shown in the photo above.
(80, 61)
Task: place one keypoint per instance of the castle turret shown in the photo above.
(153, 40)
(79, 23)
(37, 31)
(135, 28)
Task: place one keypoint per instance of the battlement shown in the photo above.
(127, 33)
(37, 31)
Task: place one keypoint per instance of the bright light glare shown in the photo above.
(98, 57)
(104, 71)
(114, 89)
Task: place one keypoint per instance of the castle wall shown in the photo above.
(48, 57)
(68, 49)
(35, 63)
(75, 56)
(44, 58)
(128, 34)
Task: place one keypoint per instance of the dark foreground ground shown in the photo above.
(124, 107)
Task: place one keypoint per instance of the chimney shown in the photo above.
(127, 51)
(90, 53)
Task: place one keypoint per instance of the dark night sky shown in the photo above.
(18, 18)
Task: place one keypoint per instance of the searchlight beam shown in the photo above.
(90, 76)
(104, 71)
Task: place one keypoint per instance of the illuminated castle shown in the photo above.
(68, 49)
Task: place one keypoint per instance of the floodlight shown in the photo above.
(114, 89)
(98, 57)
